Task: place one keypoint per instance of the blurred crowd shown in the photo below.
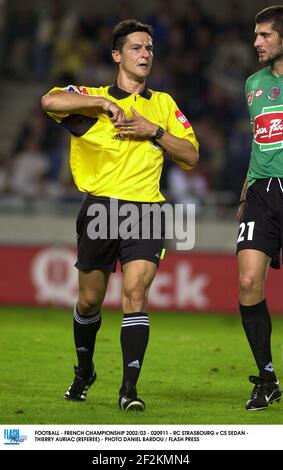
(201, 61)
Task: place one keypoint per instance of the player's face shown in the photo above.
(135, 59)
(268, 44)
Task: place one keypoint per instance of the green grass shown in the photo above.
(195, 370)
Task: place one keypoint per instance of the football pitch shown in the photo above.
(195, 371)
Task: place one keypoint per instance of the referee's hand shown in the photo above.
(137, 126)
(114, 112)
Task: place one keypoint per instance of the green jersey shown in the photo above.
(264, 93)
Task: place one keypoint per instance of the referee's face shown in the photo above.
(135, 59)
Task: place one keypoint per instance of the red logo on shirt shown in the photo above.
(250, 97)
(82, 90)
(180, 116)
(268, 128)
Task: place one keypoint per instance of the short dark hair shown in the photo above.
(126, 27)
(272, 15)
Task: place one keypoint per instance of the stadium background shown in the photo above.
(203, 53)
(198, 360)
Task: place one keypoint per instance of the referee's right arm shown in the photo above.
(67, 102)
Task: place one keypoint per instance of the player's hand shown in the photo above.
(114, 112)
(240, 211)
(136, 126)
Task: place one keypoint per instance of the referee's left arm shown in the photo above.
(181, 150)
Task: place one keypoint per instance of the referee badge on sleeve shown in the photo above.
(182, 118)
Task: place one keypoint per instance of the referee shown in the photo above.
(118, 137)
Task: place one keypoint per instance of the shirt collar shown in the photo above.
(119, 94)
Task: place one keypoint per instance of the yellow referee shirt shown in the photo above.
(105, 164)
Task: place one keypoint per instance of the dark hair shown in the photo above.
(126, 27)
(272, 15)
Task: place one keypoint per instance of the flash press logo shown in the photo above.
(12, 437)
(143, 221)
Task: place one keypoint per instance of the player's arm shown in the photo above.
(242, 200)
(75, 103)
(182, 150)
(243, 196)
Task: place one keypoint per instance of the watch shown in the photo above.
(159, 133)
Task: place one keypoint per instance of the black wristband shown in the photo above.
(159, 133)
(241, 202)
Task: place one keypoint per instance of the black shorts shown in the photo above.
(120, 239)
(261, 226)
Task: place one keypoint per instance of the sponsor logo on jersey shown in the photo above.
(258, 92)
(79, 90)
(268, 128)
(71, 89)
(83, 90)
(273, 93)
(250, 97)
(180, 116)
(118, 137)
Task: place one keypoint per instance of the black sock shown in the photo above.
(257, 325)
(85, 329)
(134, 339)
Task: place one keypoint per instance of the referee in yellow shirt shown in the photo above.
(118, 137)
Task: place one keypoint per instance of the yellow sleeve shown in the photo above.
(59, 116)
(179, 126)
